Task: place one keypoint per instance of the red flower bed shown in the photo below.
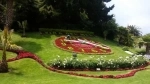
(79, 47)
(25, 54)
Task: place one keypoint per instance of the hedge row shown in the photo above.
(65, 32)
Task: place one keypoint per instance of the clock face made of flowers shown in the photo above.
(81, 46)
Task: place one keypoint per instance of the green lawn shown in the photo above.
(28, 71)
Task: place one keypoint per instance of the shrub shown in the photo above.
(125, 48)
(140, 50)
(120, 63)
(65, 32)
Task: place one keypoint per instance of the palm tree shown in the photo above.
(9, 19)
(146, 39)
(9, 13)
(3, 63)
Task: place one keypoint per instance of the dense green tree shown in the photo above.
(124, 37)
(134, 30)
(2, 11)
(98, 13)
(73, 12)
(109, 29)
(27, 10)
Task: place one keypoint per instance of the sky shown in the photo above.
(132, 12)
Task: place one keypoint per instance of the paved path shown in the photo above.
(129, 52)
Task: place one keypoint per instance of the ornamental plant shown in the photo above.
(91, 64)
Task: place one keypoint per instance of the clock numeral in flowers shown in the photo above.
(70, 48)
(62, 40)
(64, 44)
(102, 50)
(82, 50)
(94, 50)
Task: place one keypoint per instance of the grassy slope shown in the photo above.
(27, 71)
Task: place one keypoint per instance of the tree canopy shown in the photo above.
(69, 14)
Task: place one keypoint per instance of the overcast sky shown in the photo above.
(132, 12)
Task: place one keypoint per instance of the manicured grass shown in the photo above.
(28, 71)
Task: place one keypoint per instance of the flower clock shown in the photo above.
(82, 46)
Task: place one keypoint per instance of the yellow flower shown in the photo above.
(94, 50)
(70, 48)
(102, 50)
(64, 44)
(82, 50)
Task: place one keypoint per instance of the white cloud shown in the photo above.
(132, 12)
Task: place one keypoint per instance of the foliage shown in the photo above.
(129, 36)
(124, 37)
(146, 38)
(65, 32)
(125, 48)
(140, 50)
(109, 29)
(2, 11)
(23, 25)
(27, 10)
(65, 14)
(9, 44)
(134, 30)
(111, 64)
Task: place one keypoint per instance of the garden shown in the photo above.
(69, 42)
(44, 50)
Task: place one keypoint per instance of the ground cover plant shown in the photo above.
(27, 71)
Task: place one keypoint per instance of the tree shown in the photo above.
(97, 12)
(134, 30)
(72, 13)
(27, 10)
(109, 29)
(146, 38)
(8, 22)
(3, 63)
(124, 37)
(23, 25)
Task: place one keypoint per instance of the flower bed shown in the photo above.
(24, 54)
(82, 46)
(101, 64)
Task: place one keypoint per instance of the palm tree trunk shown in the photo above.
(9, 19)
(9, 13)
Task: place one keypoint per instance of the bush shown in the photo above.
(125, 48)
(140, 51)
(120, 63)
(65, 32)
